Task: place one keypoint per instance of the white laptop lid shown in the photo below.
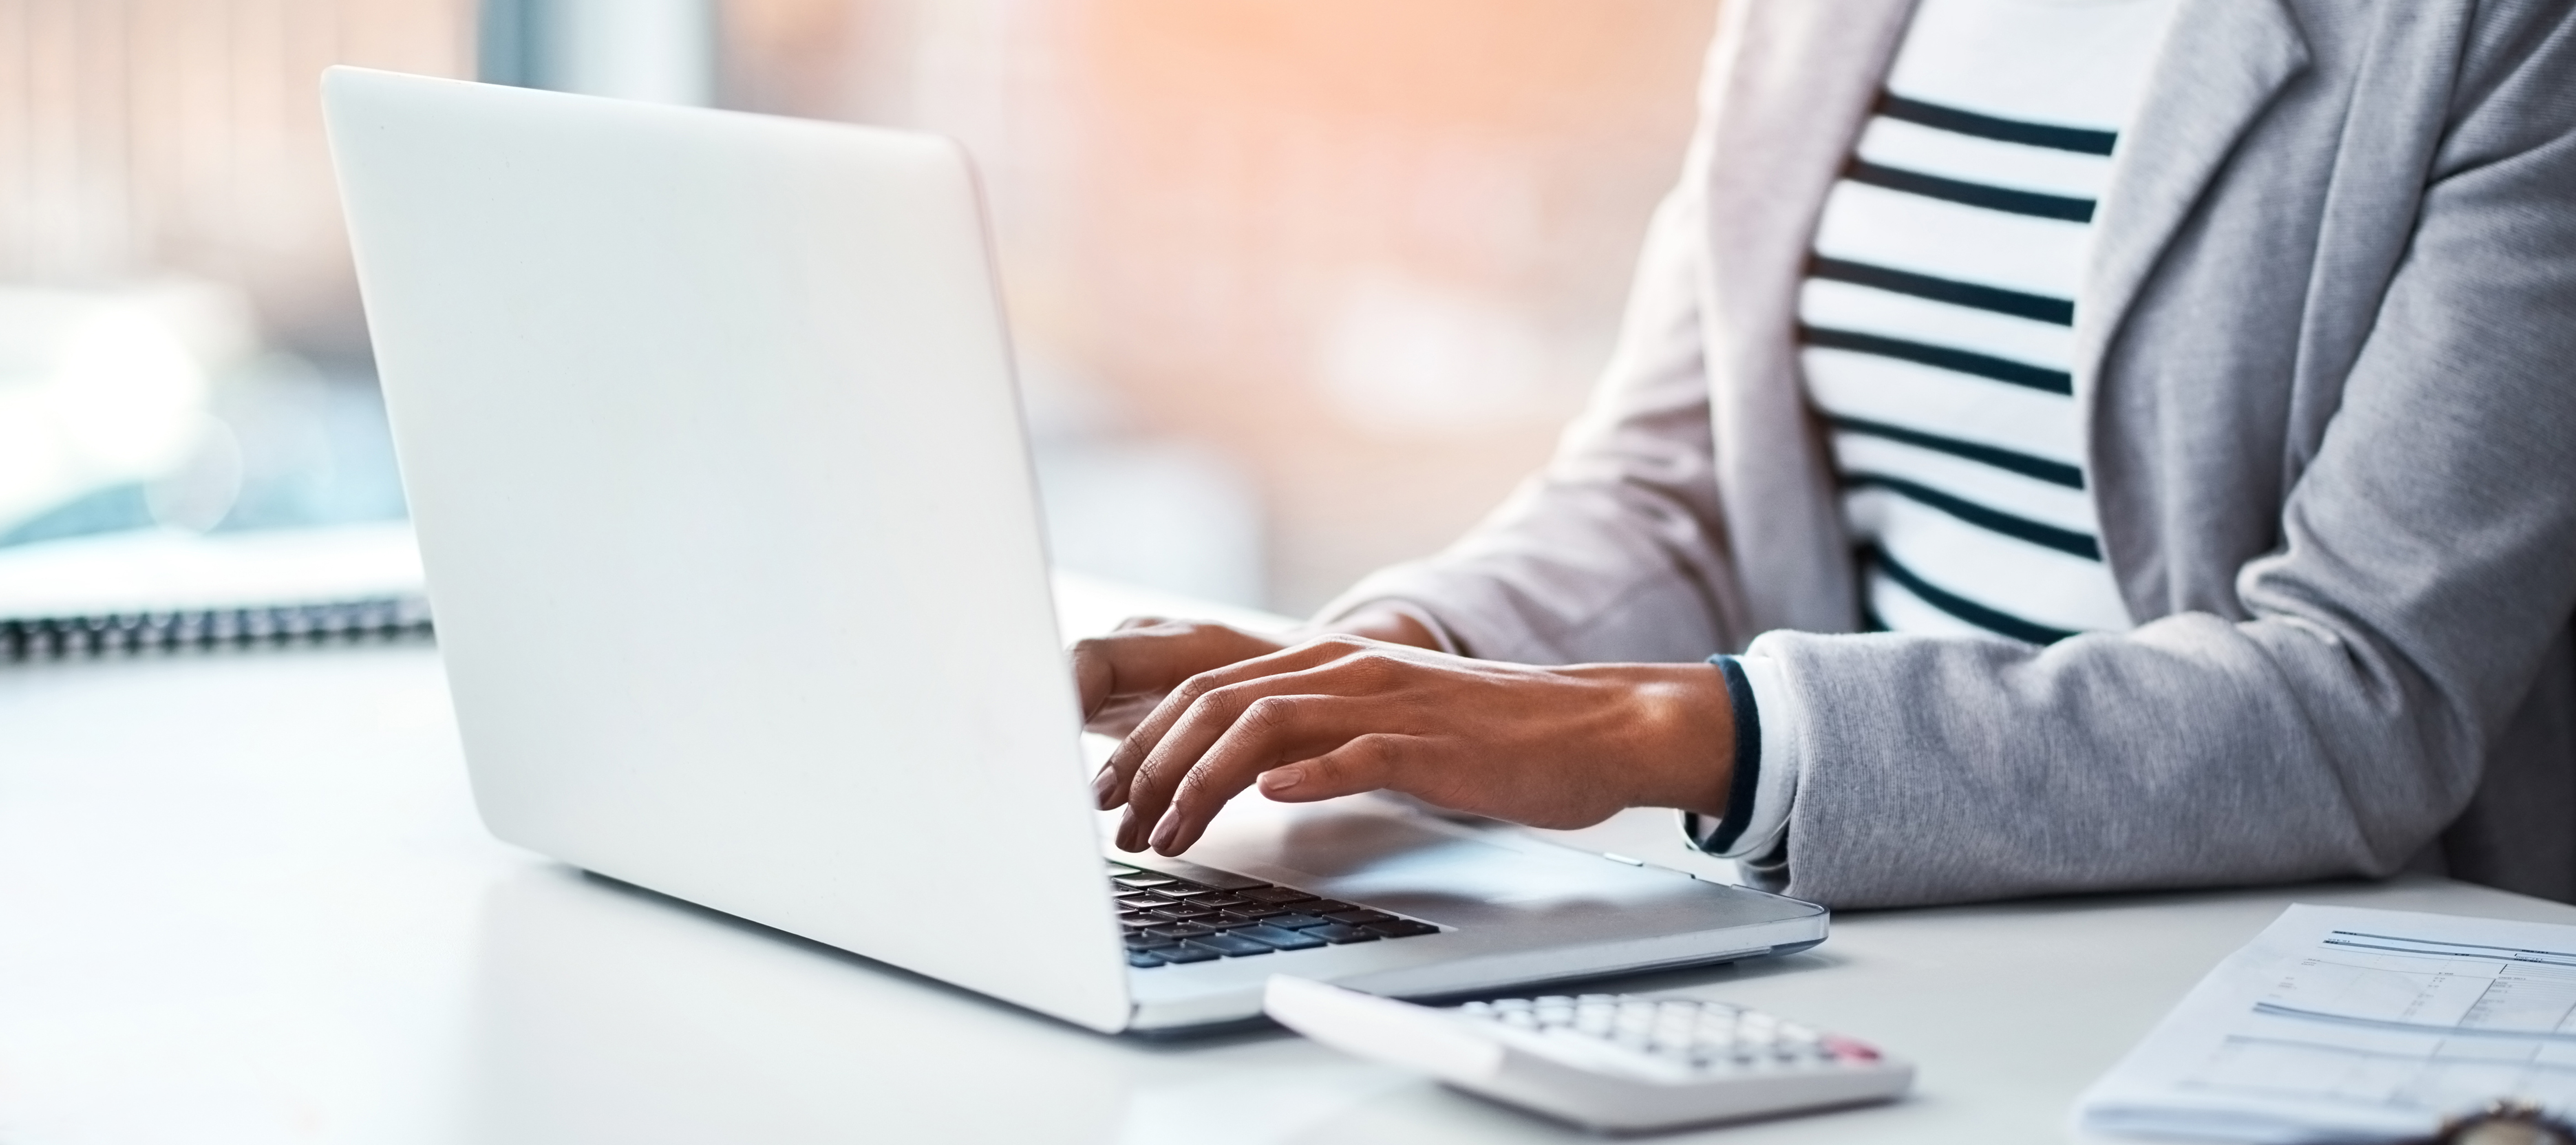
(708, 429)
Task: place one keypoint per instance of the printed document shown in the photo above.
(2345, 1024)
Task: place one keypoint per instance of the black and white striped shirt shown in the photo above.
(1938, 322)
(1938, 315)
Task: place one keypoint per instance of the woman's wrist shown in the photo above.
(1680, 741)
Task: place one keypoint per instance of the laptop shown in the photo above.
(709, 432)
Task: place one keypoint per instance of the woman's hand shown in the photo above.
(1340, 714)
(1124, 674)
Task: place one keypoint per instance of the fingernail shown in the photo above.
(1164, 831)
(1283, 779)
(1102, 784)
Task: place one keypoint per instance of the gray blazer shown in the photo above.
(2327, 362)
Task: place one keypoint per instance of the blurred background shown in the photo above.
(1300, 287)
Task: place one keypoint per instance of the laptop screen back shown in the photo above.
(709, 434)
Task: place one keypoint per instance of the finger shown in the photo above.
(1121, 715)
(1368, 763)
(1152, 658)
(1124, 663)
(1272, 731)
(1232, 734)
(1144, 659)
(1178, 699)
(1116, 782)
(1147, 783)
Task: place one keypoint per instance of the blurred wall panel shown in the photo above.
(148, 138)
(1372, 254)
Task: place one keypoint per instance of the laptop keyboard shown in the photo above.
(1170, 920)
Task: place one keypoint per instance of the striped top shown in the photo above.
(1937, 319)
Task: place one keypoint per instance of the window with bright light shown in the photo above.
(1300, 286)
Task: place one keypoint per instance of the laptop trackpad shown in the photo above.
(1420, 866)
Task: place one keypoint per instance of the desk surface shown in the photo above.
(244, 897)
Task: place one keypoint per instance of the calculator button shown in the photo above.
(1845, 1049)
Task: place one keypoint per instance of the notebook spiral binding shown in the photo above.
(63, 637)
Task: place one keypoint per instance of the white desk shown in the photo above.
(244, 897)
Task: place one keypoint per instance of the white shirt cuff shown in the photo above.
(1776, 787)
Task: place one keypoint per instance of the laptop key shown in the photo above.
(1140, 959)
(1228, 945)
(1249, 913)
(1403, 928)
(1321, 906)
(1222, 901)
(1296, 921)
(1274, 895)
(1181, 930)
(1273, 936)
(1183, 891)
(1140, 880)
(1148, 940)
(1184, 911)
(1361, 917)
(1338, 934)
(1188, 952)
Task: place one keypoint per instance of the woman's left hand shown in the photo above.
(1550, 747)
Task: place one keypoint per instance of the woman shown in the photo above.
(2127, 443)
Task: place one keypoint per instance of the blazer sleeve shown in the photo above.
(2425, 578)
(1615, 550)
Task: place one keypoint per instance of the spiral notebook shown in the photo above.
(153, 591)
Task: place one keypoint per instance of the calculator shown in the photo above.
(1617, 1062)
